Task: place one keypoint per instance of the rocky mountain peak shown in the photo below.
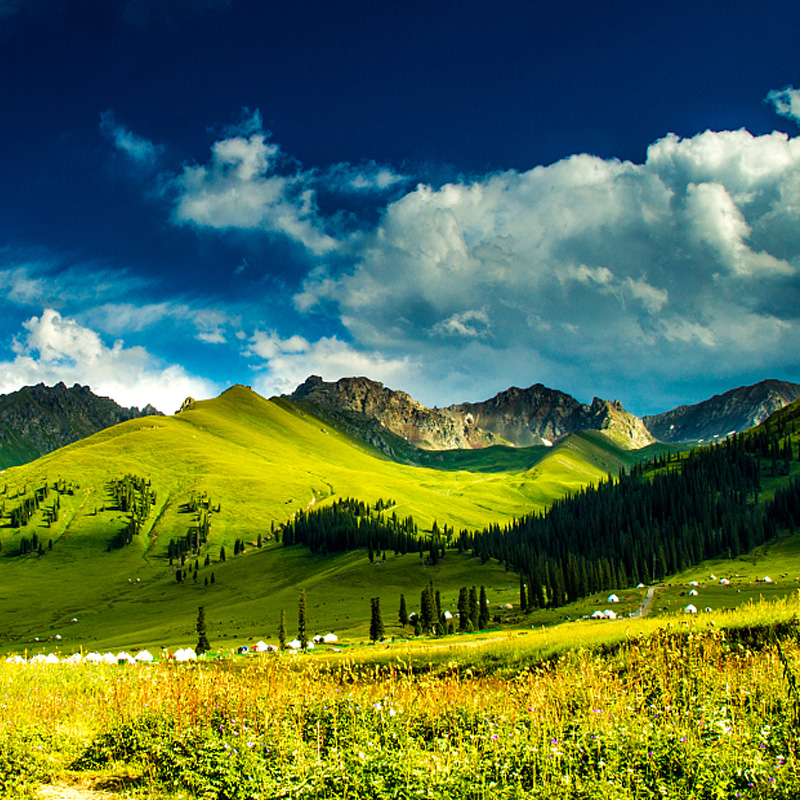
(733, 411)
(520, 417)
(36, 420)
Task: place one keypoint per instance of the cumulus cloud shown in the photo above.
(673, 264)
(52, 348)
(283, 364)
(136, 147)
(786, 102)
(241, 188)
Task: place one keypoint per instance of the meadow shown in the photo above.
(652, 708)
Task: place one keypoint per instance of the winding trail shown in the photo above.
(642, 610)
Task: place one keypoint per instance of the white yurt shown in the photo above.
(724, 582)
(144, 657)
(612, 598)
(15, 660)
(294, 644)
(75, 658)
(92, 658)
(185, 654)
(124, 658)
(690, 609)
(693, 593)
(608, 614)
(330, 638)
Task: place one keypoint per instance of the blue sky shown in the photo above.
(451, 198)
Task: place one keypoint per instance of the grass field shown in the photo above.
(260, 461)
(646, 709)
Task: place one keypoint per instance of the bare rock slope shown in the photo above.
(517, 417)
(39, 419)
(733, 411)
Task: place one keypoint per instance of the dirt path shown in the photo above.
(72, 791)
(642, 610)
(83, 787)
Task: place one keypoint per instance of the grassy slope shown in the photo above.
(261, 461)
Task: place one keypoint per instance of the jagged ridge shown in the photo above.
(520, 417)
(733, 411)
(36, 420)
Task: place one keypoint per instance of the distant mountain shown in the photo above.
(39, 419)
(393, 420)
(735, 410)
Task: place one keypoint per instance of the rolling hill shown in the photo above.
(252, 463)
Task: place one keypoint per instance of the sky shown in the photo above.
(449, 198)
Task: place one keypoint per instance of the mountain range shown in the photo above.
(399, 425)
(38, 419)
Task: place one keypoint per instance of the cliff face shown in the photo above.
(39, 419)
(520, 417)
(363, 400)
(722, 414)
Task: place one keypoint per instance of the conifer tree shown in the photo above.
(301, 620)
(403, 615)
(473, 608)
(463, 608)
(483, 610)
(282, 631)
(376, 621)
(202, 638)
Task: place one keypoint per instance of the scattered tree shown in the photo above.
(376, 621)
(202, 638)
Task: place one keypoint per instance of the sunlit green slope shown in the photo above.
(258, 461)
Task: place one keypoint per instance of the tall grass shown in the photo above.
(672, 711)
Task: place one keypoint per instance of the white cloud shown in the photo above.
(369, 177)
(241, 189)
(613, 267)
(288, 362)
(786, 102)
(136, 147)
(52, 348)
(211, 325)
(468, 324)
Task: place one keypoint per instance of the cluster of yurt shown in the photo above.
(606, 614)
(142, 657)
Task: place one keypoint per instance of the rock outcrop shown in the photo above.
(39, 419)
(733, 411)
(519, 417)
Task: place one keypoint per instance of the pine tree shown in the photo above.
(202, 639)
(483, 610)
(301, 620)
(376, 621)
(403, 615)
(463, 608)
(282, 631)
(473, 608)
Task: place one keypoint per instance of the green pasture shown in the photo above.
(259, 461)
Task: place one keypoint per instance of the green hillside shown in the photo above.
(252, 463)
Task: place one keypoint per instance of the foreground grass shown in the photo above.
(636, 710)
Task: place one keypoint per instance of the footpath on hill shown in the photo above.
(642, 610)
